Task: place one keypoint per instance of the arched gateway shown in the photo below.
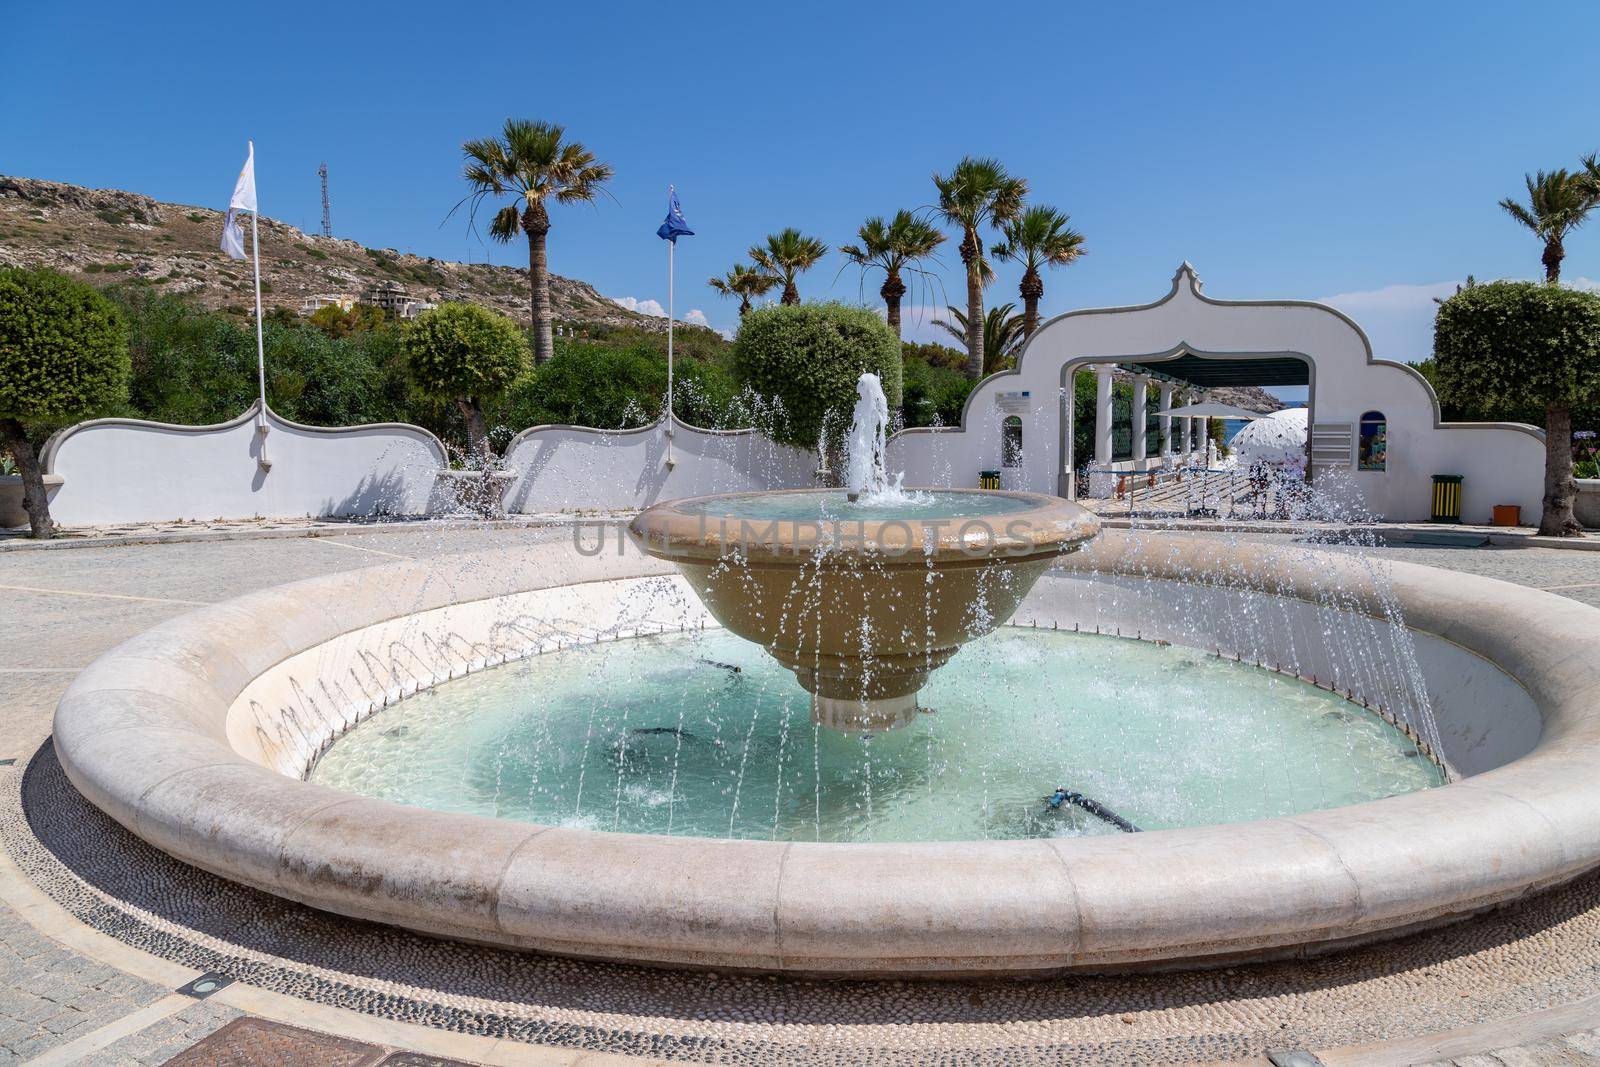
(1186, 343)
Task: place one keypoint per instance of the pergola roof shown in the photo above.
(1211, 373)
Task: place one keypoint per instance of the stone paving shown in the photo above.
(1569, 1050)
(64, 608)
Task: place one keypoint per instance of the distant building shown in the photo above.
(391, 297)
(388, 295)
(312, 304)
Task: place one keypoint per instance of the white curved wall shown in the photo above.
(1502, 463)
(564, 468)
(128, 470)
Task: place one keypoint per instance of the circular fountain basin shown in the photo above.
(862, 600)
(197, 735)
(702, 734)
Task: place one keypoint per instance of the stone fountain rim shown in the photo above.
(140, 734)
(670, 532)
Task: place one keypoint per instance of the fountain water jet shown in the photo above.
(863, 594)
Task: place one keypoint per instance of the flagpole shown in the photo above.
(261, 349)
(672, 246)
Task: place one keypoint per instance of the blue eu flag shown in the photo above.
(675, 226)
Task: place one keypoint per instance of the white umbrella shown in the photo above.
(1277, 440)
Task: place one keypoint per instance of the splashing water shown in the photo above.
(865, 474)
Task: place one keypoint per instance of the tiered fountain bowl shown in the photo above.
(863, 599)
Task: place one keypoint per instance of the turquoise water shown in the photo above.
(835, 504)
(660, 735)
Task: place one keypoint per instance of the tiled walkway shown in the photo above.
(58, 1000)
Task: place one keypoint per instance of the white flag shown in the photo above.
(244, 199)
(244, 190)
(232, 236)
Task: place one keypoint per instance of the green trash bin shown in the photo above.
(988, 479)
(1446, 498)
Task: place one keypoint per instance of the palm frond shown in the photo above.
(506, 224)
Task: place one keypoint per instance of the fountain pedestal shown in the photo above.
(863, 610)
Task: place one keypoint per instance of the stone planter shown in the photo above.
(462, 492)
(12, 514)
(1587, 504)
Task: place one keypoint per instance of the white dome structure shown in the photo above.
(1279, 440)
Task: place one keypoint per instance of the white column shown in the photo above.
(1102, 415)
(1066, 477)
(1164, 392)
(1141, 399)
(1205, 440)
(1188, 434)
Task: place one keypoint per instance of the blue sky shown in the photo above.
(1351, 153)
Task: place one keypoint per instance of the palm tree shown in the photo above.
(1558, 203)
(746, 283)
(1002, 334)
(977, 193)
(532, 163)
(1039, 237)
(785, 255)
(892, 247)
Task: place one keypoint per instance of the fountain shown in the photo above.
(863, 593)
(551, 748)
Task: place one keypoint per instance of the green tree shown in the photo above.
(336, 321)
(746, 283)
(809, 358)
(934, 391)
(1002, 334)
(532, 163)
(467, 355)
(1504, 344)
(978, 192)
(786, 255)
(1558, 203)
(63, 356)
(892, 247)
(1039, 237)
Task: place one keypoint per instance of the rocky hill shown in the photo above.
(106, 236)
(1249, 397)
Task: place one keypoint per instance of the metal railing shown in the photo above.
(1189, 491)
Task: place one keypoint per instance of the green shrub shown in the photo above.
(934, 394)
(468, 355)
(63, 355)
(808, 357)
(688, 343)
(63, 348)
(590, 383)
(195, 367)
(1506, 347)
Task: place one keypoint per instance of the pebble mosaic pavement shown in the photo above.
(1542, 953)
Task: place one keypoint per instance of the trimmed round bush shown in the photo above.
(63, 348)
(809, 357)
(468, 355)
(1504, 347)
(63, 356)
(463, 350)
(1507, 346)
